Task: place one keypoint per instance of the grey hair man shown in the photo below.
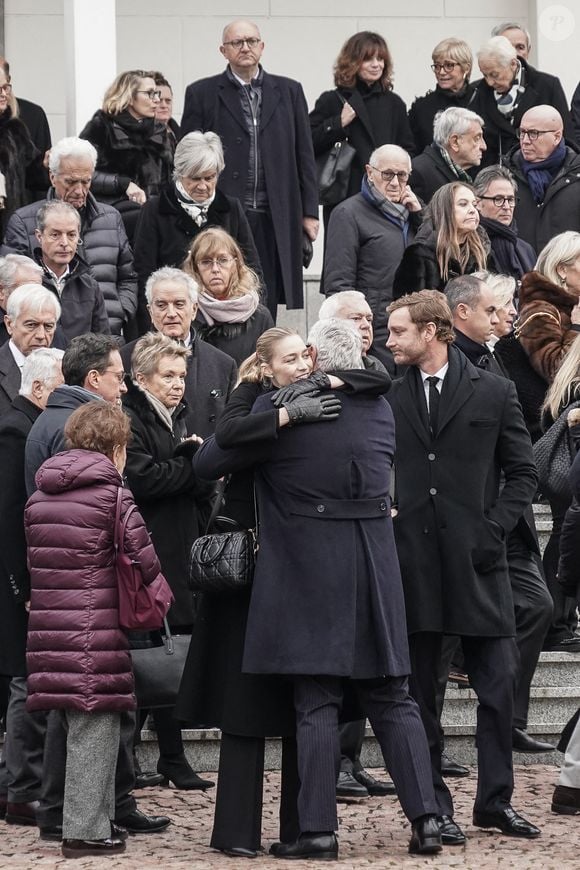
(458, 146)
(510, 87)
(171, 297)
(32, 313)
(15, 269)
(338, 345)
(106, 248)
(518, 35)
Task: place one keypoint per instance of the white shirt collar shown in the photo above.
(18, 356)
(440, 374)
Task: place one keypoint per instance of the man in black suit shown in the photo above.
(15, 269)
(211, 374)
(31, 318)
(459, 429)
(21, 766)
(263, 123)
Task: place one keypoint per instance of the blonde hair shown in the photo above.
(561, 250)
(120, 94)
(251, 368)
(211, 243)
(565, 388)
(441, 210)
(456, 49)
(150, 349)
(504, 288)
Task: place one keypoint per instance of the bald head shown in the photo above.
(541, 131)
(242, 47)
(389, 152)
(543, 117)
(249, 27)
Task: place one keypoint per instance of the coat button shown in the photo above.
(239, 140)
(235, 174)
(320, 508)
(383, 506)
(431, 457)
(425, 531)
(432, 491)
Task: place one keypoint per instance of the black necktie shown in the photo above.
(434, 398)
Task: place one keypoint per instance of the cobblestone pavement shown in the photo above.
(373, 833)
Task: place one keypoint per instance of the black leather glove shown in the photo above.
(307, 387)
(312, 409)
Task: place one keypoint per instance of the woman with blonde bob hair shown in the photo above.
(450, 243)
(134, 150)
(230, 314)
(452, 65)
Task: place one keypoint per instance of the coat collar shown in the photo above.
(230, 95)
(26, 407)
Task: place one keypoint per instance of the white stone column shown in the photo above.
(90, 31)
(557, 32)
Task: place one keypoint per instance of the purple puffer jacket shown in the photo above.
(77, 655)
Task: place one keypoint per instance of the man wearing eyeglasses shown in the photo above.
(547, 171)
(263, 123)
(367, 235)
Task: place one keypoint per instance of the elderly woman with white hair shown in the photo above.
(368, 233)
(170, 222)
(510, 86)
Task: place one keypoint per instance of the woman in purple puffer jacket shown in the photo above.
(77, 655)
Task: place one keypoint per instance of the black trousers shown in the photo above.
(396, 722)
(351, 735)
(240, 785)
(21, 765)
(564, 620)
(49, 812)
(491, 664)
(265, 239)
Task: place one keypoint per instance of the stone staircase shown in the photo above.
(555, 697)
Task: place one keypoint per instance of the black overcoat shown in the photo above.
(327, 595)
(423, 110)
(452, 520)
(14, 578)
(286, 151)
(430, 172)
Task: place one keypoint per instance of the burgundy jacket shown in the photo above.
(77, 655)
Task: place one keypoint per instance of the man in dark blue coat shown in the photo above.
(327, 601)
(458, 429)
(263, 123)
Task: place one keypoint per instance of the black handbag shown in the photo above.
(554, 456)
(157, 670)
(334, 171)
(223, 561)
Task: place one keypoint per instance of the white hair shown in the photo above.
(44, 365)
(454, 120)
(498, 48)
(169, 273)
(334, 303)
(71, 146)
(389, 151)
(33, 297)
(198, 152)
(338, 344)
(10, 265)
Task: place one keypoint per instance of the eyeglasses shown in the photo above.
(501, 200)
(252, 42)
(221, 262)
(153, 95)
(120, 376)
(532, 134)
(447, 65)
(388, 175)
(6, 89)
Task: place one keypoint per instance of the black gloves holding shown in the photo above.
(312, 409)
(307, 387)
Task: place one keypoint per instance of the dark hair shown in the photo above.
(86, 353)
(97, 426)
(160, 80)
(464, 289)
(358, 48)
(428, 306)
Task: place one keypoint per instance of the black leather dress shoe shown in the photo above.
(508, 821)
(82, 848)
(375, 787)
(425, 837)
(316, 847)
(566, 800)
(21, 813)
(239, 852)
(148, 779)
(138, 823)
(523, 742)
(451, 833)
(348, 787)
(450, 767)
(50, 832)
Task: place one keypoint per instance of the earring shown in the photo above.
(562, 279)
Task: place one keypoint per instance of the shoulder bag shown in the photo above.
(334, 170)
(223, 561)
(141, 606)
(157, 670)
(554, 457)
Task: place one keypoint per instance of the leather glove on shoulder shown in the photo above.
(307, 387)
(313, 409)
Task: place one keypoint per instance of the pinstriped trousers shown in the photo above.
(92, 746)
(397, 724)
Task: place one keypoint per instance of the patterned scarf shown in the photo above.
(393, 211)
(196, 210)
(507, 102)
(459, 173)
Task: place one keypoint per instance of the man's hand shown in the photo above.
(310, 226)
(313, 409)
(409, 200)
(310, 386)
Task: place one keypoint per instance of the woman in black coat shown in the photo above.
(230, 315)
(449, 243)
(169, 497)
(452, 65)
(134, 151)
(169, 223)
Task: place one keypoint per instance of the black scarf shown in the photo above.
(510, 258)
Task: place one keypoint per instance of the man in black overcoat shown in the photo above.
(458, 430)
(327, 601)
(263, 123)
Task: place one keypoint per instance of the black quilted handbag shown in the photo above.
(554, 458)
(223, 561)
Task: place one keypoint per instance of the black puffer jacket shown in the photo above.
(105, 248)
(83, 306)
